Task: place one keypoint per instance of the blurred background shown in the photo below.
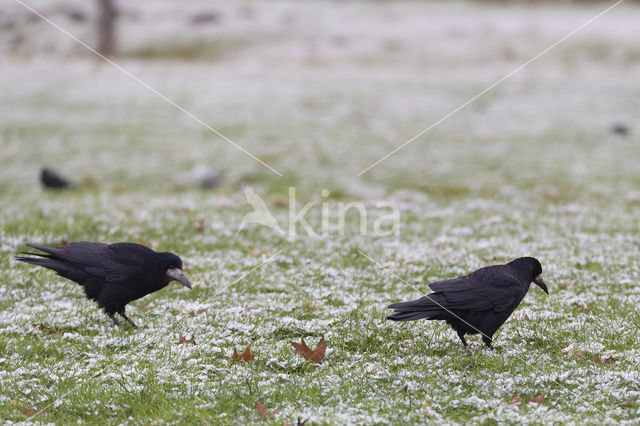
(319, 91)
(543, 164)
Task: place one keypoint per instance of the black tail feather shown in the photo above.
(425, 307)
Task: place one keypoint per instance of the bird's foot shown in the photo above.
(115, 320)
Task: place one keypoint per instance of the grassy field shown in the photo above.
(319, 92)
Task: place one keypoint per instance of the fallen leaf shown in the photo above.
(183, 340)
(315, 356)
(198, 311)
(538, 399)
(30, 411)
(143, 242)
(258, 252)
(64, 243)
(404, 389)
(526, 317)
(47, 328)
(579, 304)
(515, 400)
(622, 403)
(199, 226)
(244, 357)
(143, 306)
(302, 422)
(264, 414)
(609, 360)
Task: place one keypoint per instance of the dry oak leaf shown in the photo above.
(404, 389)
(244, 357)
(183, 340)
(47, 328)
(315, 356)
(538, 399)
(29, 411)
(264, 414)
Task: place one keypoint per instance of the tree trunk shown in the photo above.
(107, 14)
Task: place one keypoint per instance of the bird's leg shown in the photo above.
(114, 319)
(127, 318)
(487, 341)
(464, 342)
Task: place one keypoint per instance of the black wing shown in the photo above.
(81, 261)
(492, 288)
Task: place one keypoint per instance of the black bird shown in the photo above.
(111, 274)
(478, 303)
(52, 180)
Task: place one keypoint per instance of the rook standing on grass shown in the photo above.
(112, 275)
(478, 303)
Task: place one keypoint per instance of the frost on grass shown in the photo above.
(529, 169)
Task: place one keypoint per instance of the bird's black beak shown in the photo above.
(540, 283)
(176, 274)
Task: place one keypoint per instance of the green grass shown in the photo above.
(531, 169)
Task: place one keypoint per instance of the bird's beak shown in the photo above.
(175, 274)
(540, 283)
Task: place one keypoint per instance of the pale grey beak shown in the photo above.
(540, 282)
(175, 274)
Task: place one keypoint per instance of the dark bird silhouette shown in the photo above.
(478, 303)
(52, 180)
(112, 275)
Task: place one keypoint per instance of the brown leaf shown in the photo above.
(315, 356)
(264, 414)
(515, 400)
(538, 399)
(609, 360)
(29, 411)
(245, 357)
(198, 311)
(526, 317)
(143, 306)
(183, 340)
(622, 403)
(47, 328)
(64, 243)
(404, 389)
(258, 252)
(199, 226)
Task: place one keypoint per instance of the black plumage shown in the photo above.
(478, 303)
(111, 274)
(52, 180)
